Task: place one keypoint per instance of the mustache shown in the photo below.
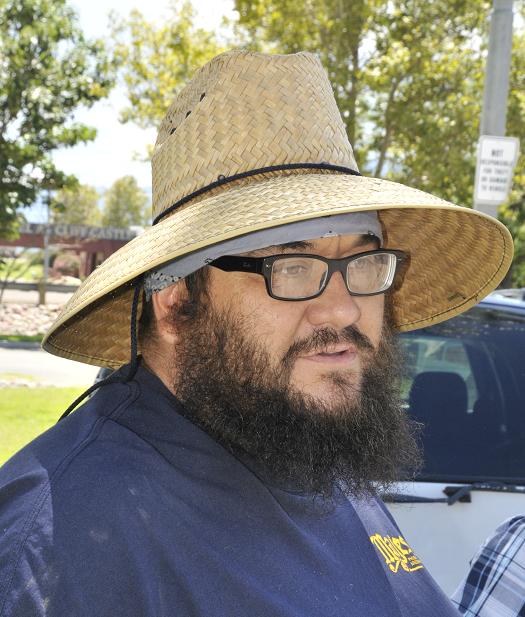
(322, 338)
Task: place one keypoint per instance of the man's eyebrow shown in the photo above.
(300, 244)
(277, 248)
(363, 240)
(368, 239)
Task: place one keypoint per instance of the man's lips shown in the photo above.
(340, 354)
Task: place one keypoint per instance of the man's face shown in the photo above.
(288, 331)
(259, 376)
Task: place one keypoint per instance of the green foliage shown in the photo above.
(76, 206)
(125, 204)
(513, 216)
(156, 61)
(48, 69)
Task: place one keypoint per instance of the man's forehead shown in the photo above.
(351, 240)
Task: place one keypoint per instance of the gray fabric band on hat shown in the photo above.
(359, 223)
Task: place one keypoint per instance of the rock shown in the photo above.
(26, 319)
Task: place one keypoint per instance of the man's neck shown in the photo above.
(156, 364)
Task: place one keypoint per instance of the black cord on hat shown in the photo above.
(253, 172)
(118, 375)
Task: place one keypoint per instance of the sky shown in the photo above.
(111, 155)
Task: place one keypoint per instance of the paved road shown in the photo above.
(45, 368)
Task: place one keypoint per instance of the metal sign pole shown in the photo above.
(494, 112)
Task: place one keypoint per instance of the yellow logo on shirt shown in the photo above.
(396, 552)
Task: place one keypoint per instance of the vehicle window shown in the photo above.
(465, 385)
(427, 353)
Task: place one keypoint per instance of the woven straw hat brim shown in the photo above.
(457, 255)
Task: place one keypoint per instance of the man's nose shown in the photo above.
(335, 306)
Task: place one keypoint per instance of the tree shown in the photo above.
(76, 206)
(513, 215)
(125, 204)
(48, 69)
(156, 61)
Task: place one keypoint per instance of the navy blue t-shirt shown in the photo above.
(127, 509)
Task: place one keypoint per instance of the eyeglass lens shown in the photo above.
(302, 277)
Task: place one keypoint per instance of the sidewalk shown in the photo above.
(13, 296)
(42, 368)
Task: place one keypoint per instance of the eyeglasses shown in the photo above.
(298, 276)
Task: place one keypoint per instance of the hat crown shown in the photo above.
(244, 111)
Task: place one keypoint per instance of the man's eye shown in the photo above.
(294, 270)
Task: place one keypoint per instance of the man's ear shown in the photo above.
(163, 303)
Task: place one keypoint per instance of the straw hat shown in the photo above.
(256, 141)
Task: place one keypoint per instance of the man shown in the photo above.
(233, 468)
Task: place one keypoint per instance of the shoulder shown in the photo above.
(507, 540)
(495, 584)
(48, 457)
(511, 529)
(55, 492)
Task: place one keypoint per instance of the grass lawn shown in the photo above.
(27, 412)
(24, 338)
(22, 274)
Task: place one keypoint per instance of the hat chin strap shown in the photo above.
(118, 376)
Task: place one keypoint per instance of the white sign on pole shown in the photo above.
(497, 158)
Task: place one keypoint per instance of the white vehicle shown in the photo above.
(466, 384)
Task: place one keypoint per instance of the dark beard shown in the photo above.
(360, 443)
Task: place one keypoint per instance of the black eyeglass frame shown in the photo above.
(263, 266)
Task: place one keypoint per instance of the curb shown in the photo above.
(19, 345)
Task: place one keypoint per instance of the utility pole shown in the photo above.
(494, 112)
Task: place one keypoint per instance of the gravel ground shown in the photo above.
(27, 318)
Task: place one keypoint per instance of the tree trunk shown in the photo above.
(385, 143)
